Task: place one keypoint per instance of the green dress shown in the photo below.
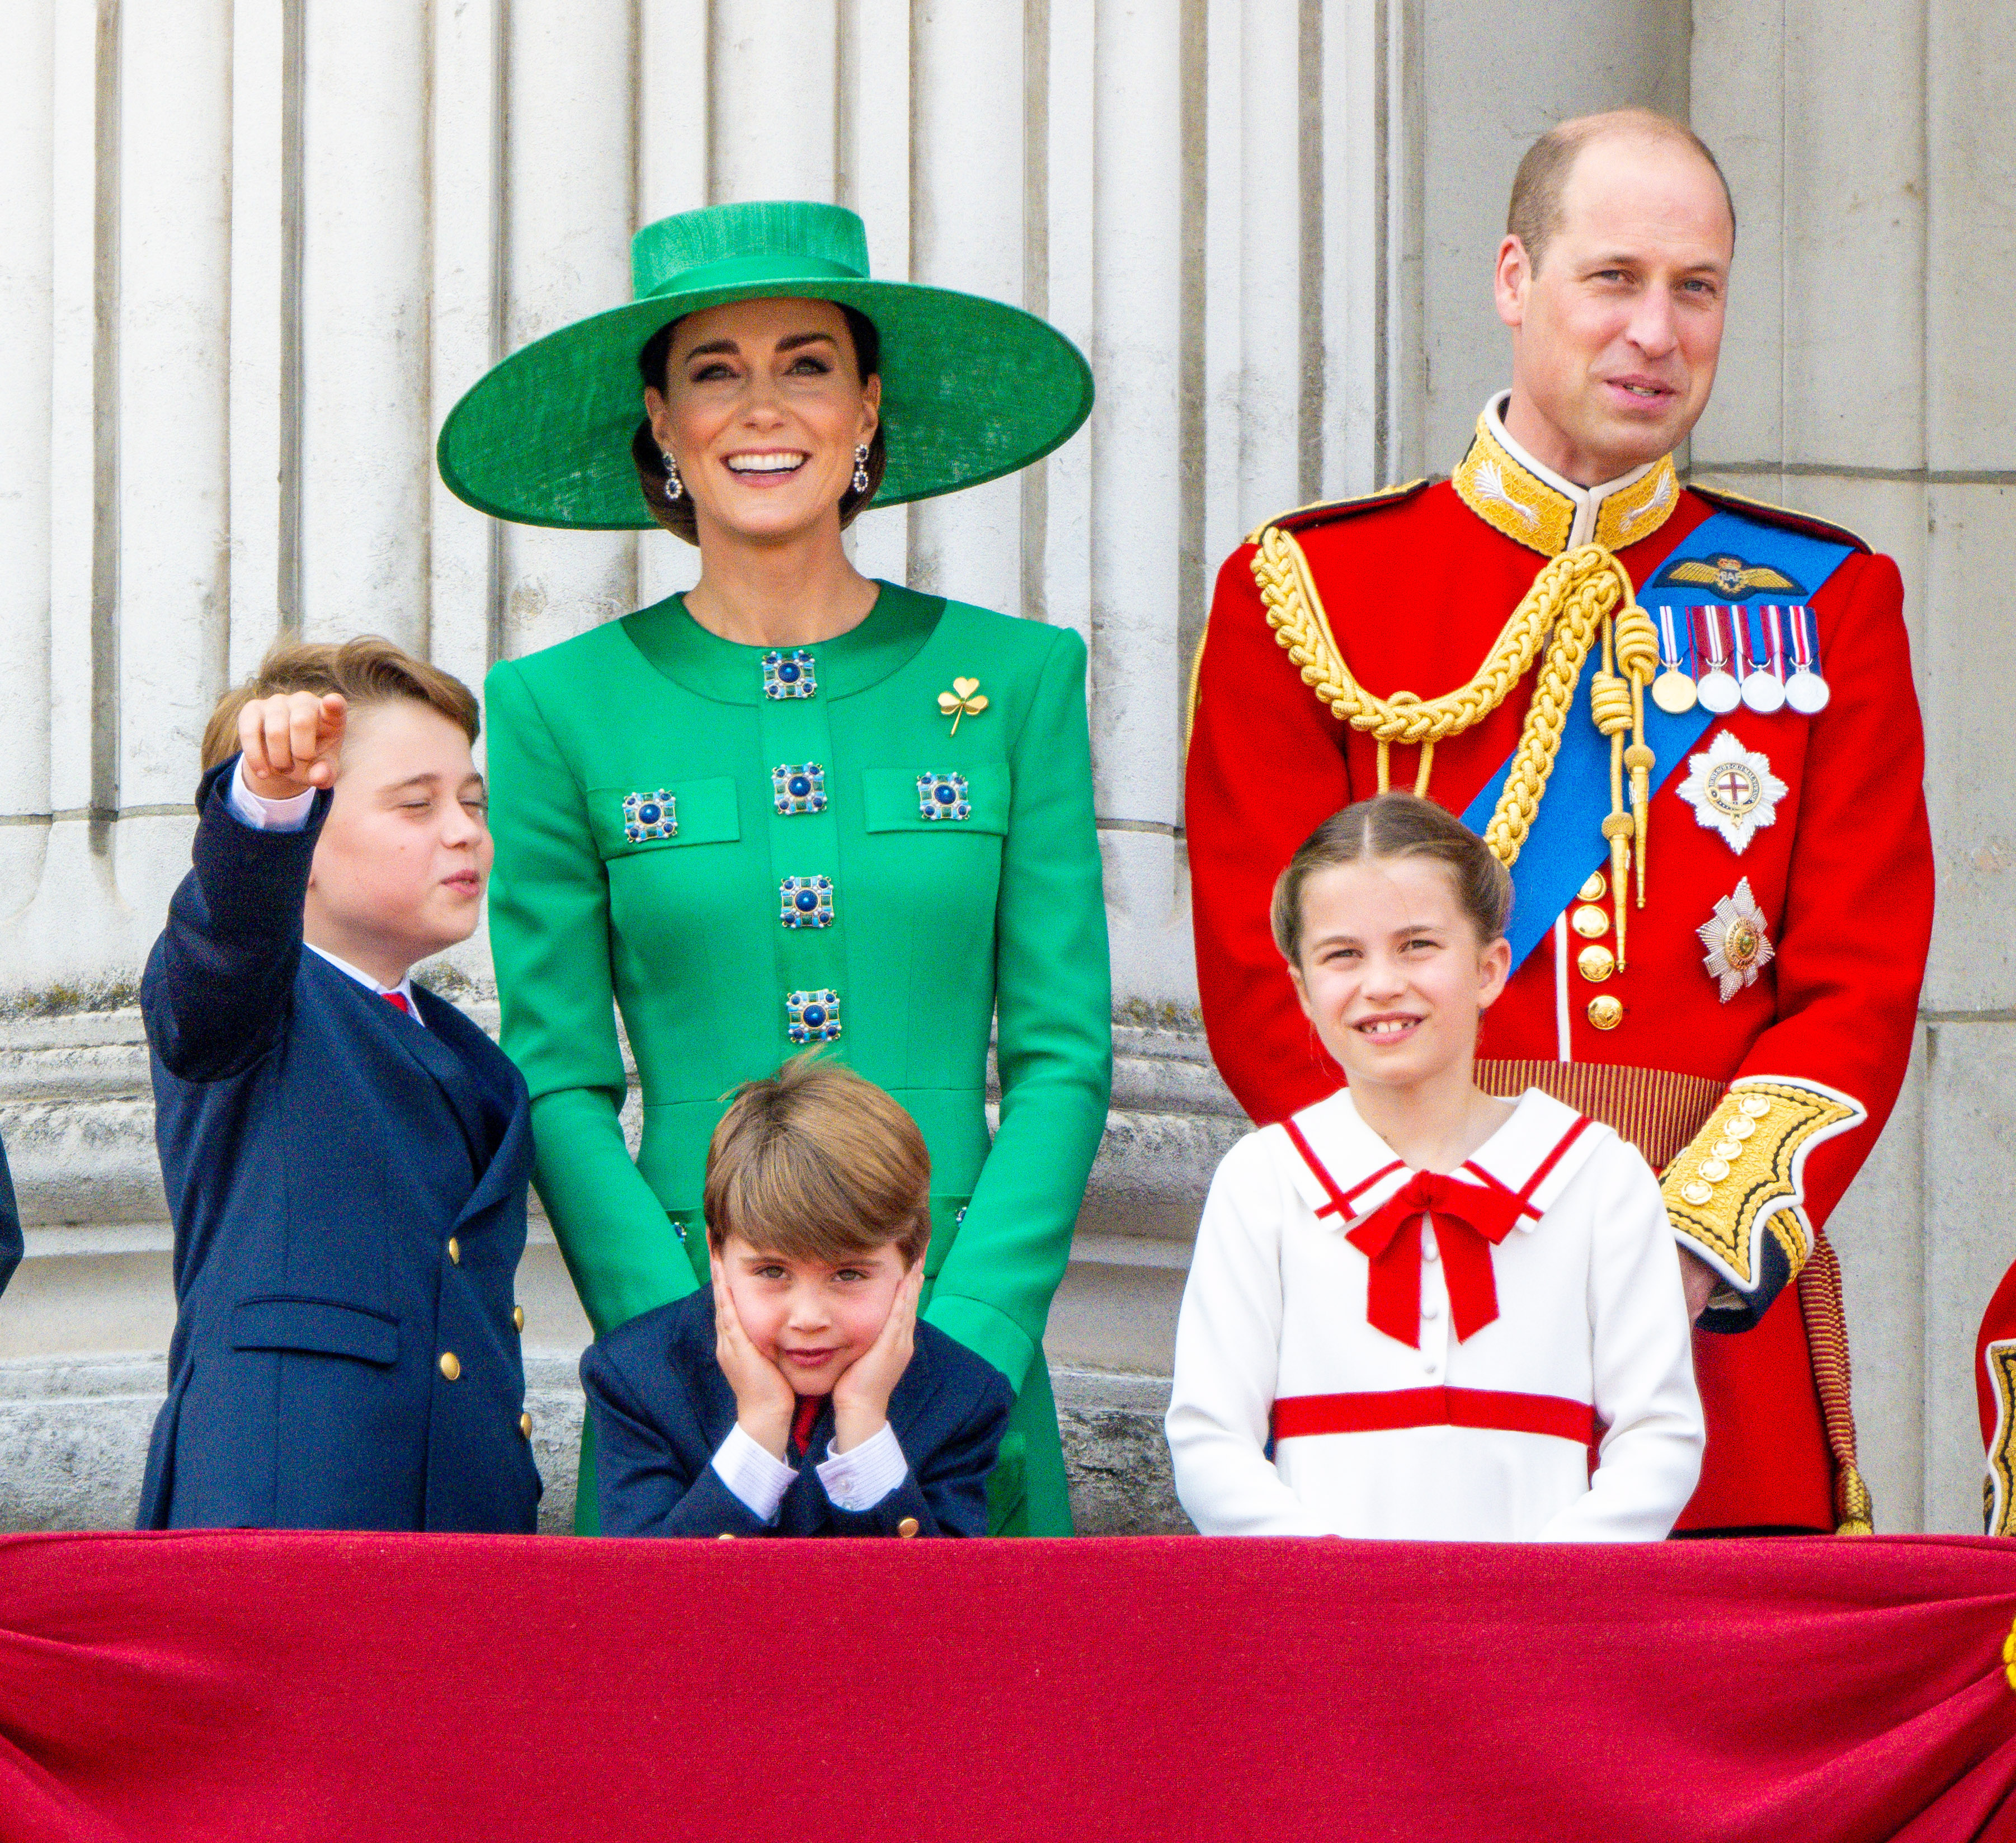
(752, 850)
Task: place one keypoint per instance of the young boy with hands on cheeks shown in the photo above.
(345, 1154)
(1415, 1310)
(798, 1395)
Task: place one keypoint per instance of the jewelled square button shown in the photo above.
(801, 789)
(815, 1016)
(650, 816)
(807, 902)
(943, 796)
(789, 675)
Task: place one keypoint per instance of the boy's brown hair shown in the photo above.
(367, 670)
(815, 1164)
(1388, 826)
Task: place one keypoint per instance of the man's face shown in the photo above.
(1615, 337)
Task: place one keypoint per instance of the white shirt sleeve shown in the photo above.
(261, 814)
(1228, 1359)
(759, 1478)
(860, 1479)
(1650, 1458)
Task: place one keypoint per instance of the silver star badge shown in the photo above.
(1733, 790)
(1737, 945)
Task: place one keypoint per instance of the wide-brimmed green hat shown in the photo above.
(971, 389)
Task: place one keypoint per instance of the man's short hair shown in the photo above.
(367, 670)
(1542, 182)
(815, 1164)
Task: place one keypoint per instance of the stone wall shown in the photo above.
(249, 256)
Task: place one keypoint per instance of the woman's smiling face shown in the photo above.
(763, 409)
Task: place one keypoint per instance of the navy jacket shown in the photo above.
(10, 1225)
(661, 1408)
(348, 1192)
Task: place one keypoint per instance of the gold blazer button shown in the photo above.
(1597, 962)
(451, 1365)
(1606, 1011)
(907, 1528)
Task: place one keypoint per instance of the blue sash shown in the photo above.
(1566, 842)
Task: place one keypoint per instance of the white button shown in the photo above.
(1431, 1308)
(1428, 1363)
(1429, 1251)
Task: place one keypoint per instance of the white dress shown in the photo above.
(1591, 1315)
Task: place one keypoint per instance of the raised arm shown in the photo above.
(549, 939)
(221, 977)
(1054, 1008)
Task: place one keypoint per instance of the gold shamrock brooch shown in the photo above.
(962, 700)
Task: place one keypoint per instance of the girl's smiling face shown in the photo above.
(1391, 972)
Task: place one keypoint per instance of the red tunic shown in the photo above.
(1417, 588)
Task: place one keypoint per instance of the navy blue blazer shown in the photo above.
(10, 1225)
(348, 1192)
(662, 1406)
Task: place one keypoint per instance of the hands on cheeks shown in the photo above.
(292, 742)
(765, 1402)
(861, 1397)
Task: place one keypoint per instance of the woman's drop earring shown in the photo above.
(860, 467)
(674, 485)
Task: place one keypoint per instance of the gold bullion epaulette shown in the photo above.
(1765, 513)
(1302, 518)
(1999, 1506)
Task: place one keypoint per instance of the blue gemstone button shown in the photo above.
(943, 796)
(805, 902)
(815, 1016)
(789, 675)
(650, 816)
(799, 788)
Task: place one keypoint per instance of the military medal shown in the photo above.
(1732, 790)
(1672, 691)
(1738, 947)
(1717, 689)
(1762, 692)
(1805, 690)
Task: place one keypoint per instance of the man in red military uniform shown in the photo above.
(1711, 800)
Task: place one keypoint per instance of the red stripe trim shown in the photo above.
(1524, 1197)
(1297, 1417)
(1339, 1200)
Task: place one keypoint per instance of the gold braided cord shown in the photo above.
(1295, 611)
(1579, 597)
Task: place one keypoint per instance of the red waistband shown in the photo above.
(1297, 1416)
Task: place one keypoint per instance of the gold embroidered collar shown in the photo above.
(1534, 506)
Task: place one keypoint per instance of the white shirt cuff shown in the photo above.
(860, 1479)
(759, 1478)
(263, 815)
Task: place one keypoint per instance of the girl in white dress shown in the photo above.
(1415, 1310)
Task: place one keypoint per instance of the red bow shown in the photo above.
(1469, 1220)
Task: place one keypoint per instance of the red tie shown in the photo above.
(1469, 1220)
(398, 1002)
(801, 1423)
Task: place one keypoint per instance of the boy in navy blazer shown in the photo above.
(346, 1155)
(798, 1395)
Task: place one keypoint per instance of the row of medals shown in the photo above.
(1730, 679)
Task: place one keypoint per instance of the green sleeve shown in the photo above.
(1054, 1018)
(549, 940)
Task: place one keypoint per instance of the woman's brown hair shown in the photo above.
(676, 515)
(815, 1164)
(1390, 826)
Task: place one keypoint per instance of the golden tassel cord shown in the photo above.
(1577, 598)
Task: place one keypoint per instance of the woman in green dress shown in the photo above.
(795, 805)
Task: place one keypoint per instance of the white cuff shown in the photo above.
(759, 1478)
(263, 815)
(860, 1479)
